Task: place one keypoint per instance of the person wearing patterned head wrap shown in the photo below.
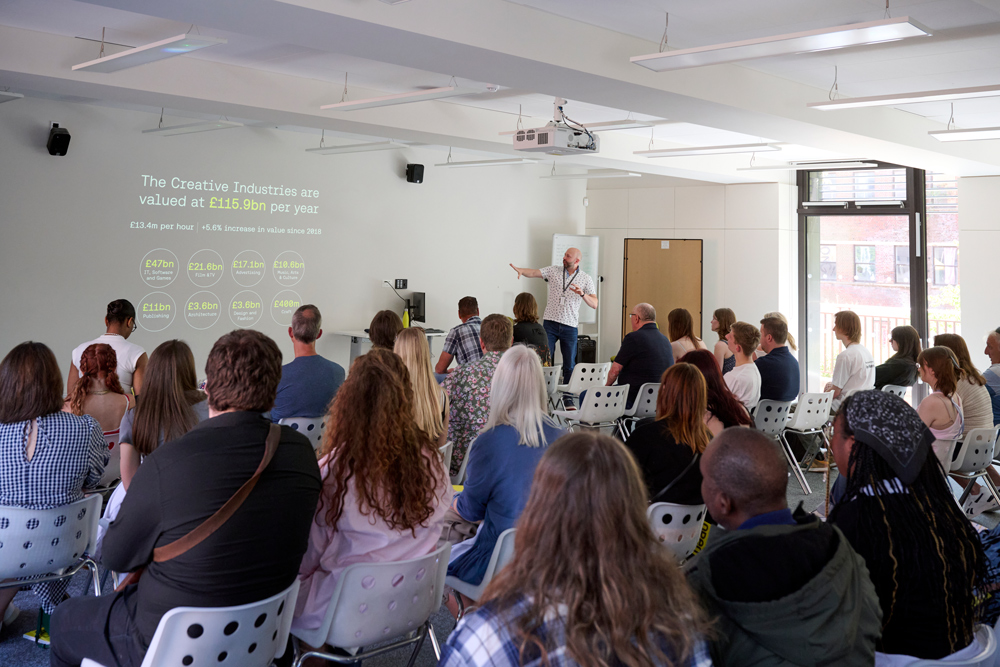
(924, 557)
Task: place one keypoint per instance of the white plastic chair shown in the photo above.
(975, 458)
(311, 427)
(770, 418)
(52, 542)
(644, 405)
(112, 471)
(602, 406)
(811, 414)
(459, 479)
(677, 527)
(250, 635)
(503, 553)
(585, 376)
(987, 651)
(895, 390)
(446, 450)
(376, 602)
(551, 375)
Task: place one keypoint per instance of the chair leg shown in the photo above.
(96, 577)
(799, 475)
(992, 487)
(967, 491)
(434, 641)
(418, 645)
(461, 606)
(621, 429)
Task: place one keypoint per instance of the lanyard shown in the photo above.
(567, 284)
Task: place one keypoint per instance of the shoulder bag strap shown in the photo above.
(694, 461)
(214, 522)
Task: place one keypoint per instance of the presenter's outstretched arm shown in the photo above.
(589, 299)
(527, 273)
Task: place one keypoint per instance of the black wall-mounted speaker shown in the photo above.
(58, 142)
(414, 173)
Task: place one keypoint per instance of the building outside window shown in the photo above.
(902, 264)
(864, 263)
(945, 266)
(828, 262)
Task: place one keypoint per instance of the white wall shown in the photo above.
(978, 242)
(67, 247)
(750, 247)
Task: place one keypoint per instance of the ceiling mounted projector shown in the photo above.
(562, 136)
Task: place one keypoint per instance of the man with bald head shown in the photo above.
(787, 588)
(644, 354)
(568, 286)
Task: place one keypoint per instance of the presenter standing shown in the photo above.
(568, 286)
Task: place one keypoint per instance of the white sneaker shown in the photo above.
(11, 614)
(977, 503)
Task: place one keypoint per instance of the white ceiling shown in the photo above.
(533, 50)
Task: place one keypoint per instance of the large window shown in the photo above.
(828, 262)
(864, 263)
(902, 264)
(945, 266)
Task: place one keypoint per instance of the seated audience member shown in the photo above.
(722, 319)
(308, 382)
(941, 410)
(171, 406)
(98, 393)
(462, 342)
(779, 370)
(502, 459)
(901, 368)
(992, 351)
(430, 402)
(786, 588)
(644, 354)
(680, 329)
(384, 328)
(47, 456)
(668, 448)
(724, 409)
(791, 339)
(180, 486)
(468, 387)
(977, 411)
(744, 380)
(528, 330)
(854, 369)
(588, 584)
(924, 557)
(120, 323)
(385, 491)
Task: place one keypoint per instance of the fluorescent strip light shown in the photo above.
(812, 166)
(824, 39)
(709, 150)
(141, 55)
(402, 98)
(9, 97)
(908, 98)
(968, 134)
(488, 163)
(356, 148)
(191, 128)
(593, 174)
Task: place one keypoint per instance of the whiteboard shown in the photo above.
(590, 250)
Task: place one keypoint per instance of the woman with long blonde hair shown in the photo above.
(588, 585)
(430, 402)
(667, 449)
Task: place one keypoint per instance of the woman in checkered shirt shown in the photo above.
(47, 456)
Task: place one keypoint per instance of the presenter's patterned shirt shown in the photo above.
(468, 390)
(563, 305)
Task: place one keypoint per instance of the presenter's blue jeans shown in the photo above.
(566, 335)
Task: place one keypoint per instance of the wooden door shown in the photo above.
(665, 273)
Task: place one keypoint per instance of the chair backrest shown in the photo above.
(645, 401)
(977, 450)
(944, 450)
(446, 450)
(503, 553)
(36, 542)
(811, 413)
(586, 376)
(551, 374)
(311, 427)
(895, 390)
(603, 404)
(113, 470)
(460, 477)
(374, 602)
(771, 417)
(250, 635)
(677, 527)
(987, 641)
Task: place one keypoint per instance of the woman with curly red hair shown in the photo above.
(385, 491)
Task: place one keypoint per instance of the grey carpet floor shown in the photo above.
(18, 652)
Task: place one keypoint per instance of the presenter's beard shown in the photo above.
(568, 266)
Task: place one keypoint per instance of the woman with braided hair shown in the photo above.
(98, 392)
(923, 555)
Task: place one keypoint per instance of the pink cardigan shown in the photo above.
(357, 539)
